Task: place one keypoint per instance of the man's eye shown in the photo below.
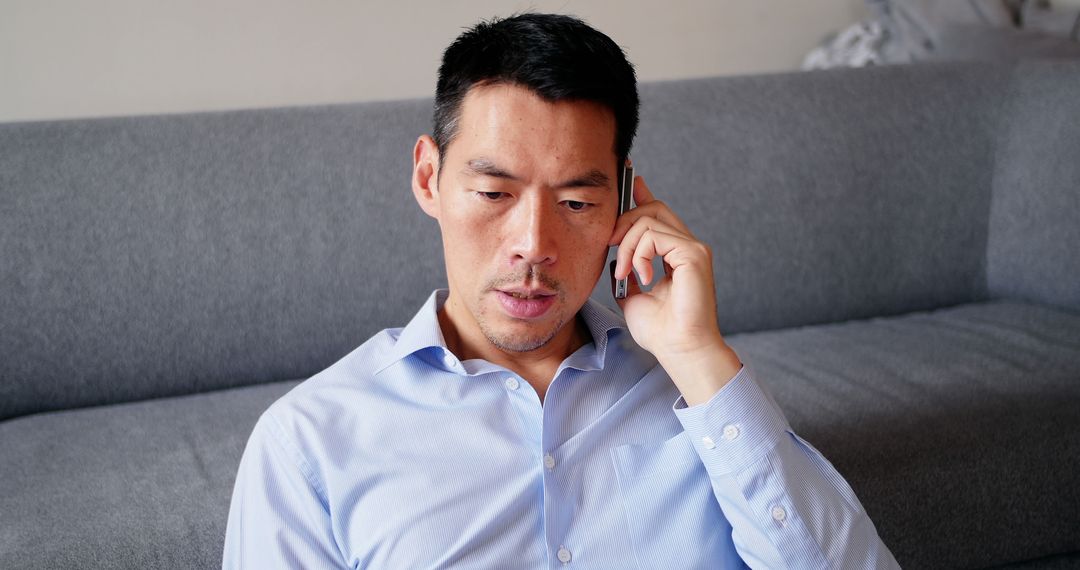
(577, 206)
(491, 195)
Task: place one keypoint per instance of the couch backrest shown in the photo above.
(831, 195)
(1034, 247)
(154, 256)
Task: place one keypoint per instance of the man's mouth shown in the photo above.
(526, 303)
(527, 292)
(518, 295)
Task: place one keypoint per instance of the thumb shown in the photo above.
(632, 287)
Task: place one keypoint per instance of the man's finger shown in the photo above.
(676, 251)
(643, 196)
(656, 209)
(628, 244)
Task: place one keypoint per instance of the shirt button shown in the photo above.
(779, 514)
(549, 461)
(731, 432)
(449, 360)
(564, 555)
(512, 383)
(708, 442)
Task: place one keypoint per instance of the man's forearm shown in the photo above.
(701, 374)
(787, 505)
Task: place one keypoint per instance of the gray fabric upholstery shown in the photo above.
(852, 195)
(1058, 562)
(141, 485)
(1034, 240)
(957, 428)
(157, 256)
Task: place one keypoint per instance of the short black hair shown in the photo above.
(557, 57)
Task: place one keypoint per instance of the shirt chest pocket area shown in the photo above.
(673, 517)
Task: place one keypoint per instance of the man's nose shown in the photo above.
(534, 232)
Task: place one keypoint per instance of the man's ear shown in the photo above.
(425, 176)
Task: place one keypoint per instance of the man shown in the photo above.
(514, 423)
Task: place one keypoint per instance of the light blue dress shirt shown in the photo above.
(402, 456)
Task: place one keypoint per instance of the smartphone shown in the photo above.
(626, 200)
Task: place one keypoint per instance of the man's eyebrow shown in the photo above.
(485, 167)
(591, 178)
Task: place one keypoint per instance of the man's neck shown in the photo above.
(537, 367)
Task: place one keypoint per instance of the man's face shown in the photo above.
(526, 203)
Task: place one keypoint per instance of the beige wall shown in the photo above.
(76, 58)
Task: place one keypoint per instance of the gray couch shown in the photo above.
(896, 252)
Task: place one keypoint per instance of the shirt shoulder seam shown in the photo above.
(282, 439)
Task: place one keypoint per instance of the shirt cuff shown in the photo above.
(736, 427)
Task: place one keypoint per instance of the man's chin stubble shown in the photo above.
(512, 343)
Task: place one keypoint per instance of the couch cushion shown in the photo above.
(143, 485)
(1070, 561)
(958, 428)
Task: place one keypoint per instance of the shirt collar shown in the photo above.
(423, 334)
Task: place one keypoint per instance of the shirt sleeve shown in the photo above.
(279, 516)
(788, 506)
